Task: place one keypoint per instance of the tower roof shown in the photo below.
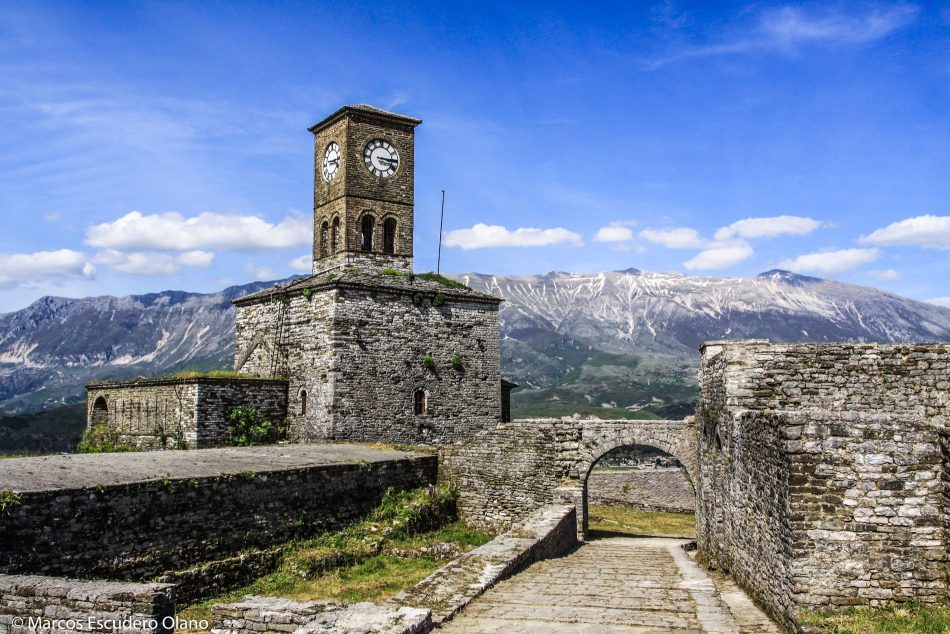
(366, 111)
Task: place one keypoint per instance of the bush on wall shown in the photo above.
(247, 427)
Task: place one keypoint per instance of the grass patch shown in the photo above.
(911, 618)
(619, 520)
(431, 276)
(372, 560)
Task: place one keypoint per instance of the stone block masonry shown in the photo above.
(822, 472)
(136, 516)
(39, 605)
(511, 469)
(147, 413)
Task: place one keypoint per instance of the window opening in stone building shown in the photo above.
(389, 235)
(100, 411)
(335, 236)
(420, 402)
(639, 490)
(366, 233)
(303, 402)
(324, 240)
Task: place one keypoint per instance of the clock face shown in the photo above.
(331, 161)
(381, 158)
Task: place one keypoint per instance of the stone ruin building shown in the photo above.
(362, 349)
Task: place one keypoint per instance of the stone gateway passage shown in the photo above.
(620, 584)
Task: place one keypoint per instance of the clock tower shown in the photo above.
(363, 190)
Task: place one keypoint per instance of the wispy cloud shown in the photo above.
(787, 29)
(173, 232)
(920, 231)
(615, 232)
(482, 236)
(940, 301)
(830, 262)
(303, 263)
(887, 275)
(151, 263)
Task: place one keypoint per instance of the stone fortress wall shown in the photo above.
(822, 481)
(195, 411)
(139, 528)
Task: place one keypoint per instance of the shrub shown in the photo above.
(457, 364)
(307, 293)
(439, 300)
(9, 500)
(428, 362)
(100, 439)
(247, 427)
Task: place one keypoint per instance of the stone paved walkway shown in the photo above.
(620, 584)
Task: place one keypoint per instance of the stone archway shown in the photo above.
(100, 412)
(595, 438)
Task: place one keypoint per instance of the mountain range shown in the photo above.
(614, 344)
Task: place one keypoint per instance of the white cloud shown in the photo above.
(787, 29)
(677, 238)
(889, 275)
(720, 255)
(43, 266)
(769, 227)
(482, 236)
(787, 26)
(173, 232)
(614, 233)
(151, 263)
(196, 258)
(922, 231)
(830, 262)
(303, 263)
(940, 301)
(260, 273)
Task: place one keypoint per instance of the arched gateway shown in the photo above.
(511, 469)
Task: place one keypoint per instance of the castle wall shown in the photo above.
(821, 472)
(142, 528)
(380, 342)
(193, 410)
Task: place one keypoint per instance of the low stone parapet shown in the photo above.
(37, 604)
(274, 614)
(549, 532)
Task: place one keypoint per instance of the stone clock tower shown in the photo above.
(363, 190)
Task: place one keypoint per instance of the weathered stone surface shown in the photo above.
(511, 469)
(617, 585)
(145, 413)
(548, 532)
(54, 604)
(820, 481)
(650, 489)
(138, 515)
(357, 344)
(268, 614)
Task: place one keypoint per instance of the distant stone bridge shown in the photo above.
(516, 467)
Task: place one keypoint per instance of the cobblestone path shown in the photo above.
(620, 584)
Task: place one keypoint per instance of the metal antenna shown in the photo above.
(438, 260)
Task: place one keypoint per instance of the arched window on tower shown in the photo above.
(324, 240)
(303, 402)
(366, 233)
(420, 402)
(389, 235)
(335, 236)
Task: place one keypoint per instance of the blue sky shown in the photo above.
(151, 146)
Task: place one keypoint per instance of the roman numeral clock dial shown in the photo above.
(331, 161)
(381, 158)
